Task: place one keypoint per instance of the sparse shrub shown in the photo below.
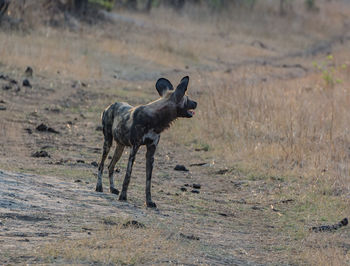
(329, 71)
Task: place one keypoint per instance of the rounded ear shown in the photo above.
(163, 85)
(181, 88)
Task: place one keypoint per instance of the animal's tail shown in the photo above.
(107, 123)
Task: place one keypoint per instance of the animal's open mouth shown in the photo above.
(190, 113)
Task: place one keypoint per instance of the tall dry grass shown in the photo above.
(298, 126)
(50, 51)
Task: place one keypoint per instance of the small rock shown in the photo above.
(80, 161)
(51, 130)
(2, 101)
(2, 108)
(6, 87)
(183, 189)
(77, 181)
(222, 171)
(287, 200)
(41, 127)
(198, 164)
(40, 154)
(94, 163)
(197, 186)
(12, 81)
(186, 185)
(29, 72)
(195, 191)
(42, 234)
(26, 83)
(54, 109)
(223, 214)
(29, 131)
(180, 167)
(190, 237)
(45, 128)
(202, 149)
(134, 224)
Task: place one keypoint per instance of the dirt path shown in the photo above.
(38, 209)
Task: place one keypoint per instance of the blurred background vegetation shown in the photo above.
(15, 10)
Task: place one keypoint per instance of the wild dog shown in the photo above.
(141, 125)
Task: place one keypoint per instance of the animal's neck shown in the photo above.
(164, 121)
(164, 116)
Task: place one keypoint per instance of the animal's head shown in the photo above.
(177, 98)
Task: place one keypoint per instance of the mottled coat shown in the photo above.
(135, 126)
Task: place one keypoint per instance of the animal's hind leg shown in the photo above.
(106, 147)
(117, 154)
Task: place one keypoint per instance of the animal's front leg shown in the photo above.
(149, 167)
(126, 182)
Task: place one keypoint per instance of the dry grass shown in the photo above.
(326, 250)
(285, 125)
(296, 130)
(48, 52)
(121, 246)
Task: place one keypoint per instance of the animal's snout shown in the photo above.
(193, 105)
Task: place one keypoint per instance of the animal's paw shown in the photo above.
(151, 204)
(114, 190)
(99, 188)
(122, 197)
